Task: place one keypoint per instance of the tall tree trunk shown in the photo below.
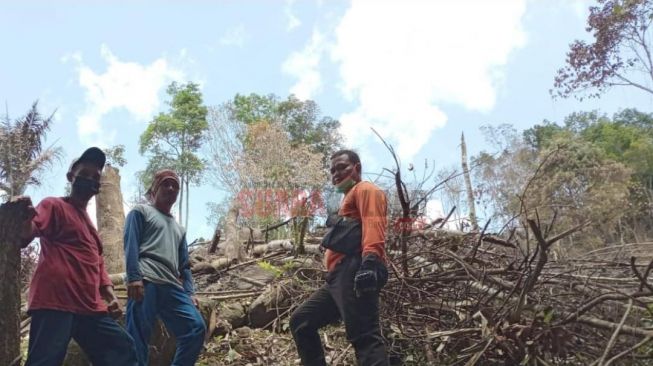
(181, 201)
(10, 214)
(111, 219)
(468, 184)
(187, 202)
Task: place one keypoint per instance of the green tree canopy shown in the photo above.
(172, 139)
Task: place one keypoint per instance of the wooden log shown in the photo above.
(274, 245)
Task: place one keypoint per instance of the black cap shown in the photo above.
(92, 155)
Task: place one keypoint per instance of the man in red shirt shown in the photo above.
(355, 259)
(71, 295)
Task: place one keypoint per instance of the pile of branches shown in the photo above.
(471, 298)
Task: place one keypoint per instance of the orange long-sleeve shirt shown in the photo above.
(367, 203)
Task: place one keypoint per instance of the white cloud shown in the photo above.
(129, 85)
(399, 62)
(234, 36)
(304, 65)
(293, 21)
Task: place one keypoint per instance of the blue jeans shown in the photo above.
(175, 308)
(102, 339)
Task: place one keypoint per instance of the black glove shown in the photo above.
(366, 280)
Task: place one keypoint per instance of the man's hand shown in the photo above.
(365, 282)
(113, 306)
(115, 310)
(27, 217)
(195, 301)
(27, 201)
(136, 290)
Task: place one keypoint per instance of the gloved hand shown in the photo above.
(366, 279)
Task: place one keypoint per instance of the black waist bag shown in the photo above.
(345, 236)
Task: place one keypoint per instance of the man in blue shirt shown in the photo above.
(158, 274)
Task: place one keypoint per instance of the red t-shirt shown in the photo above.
(71, 269)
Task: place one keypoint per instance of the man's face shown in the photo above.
(85, 170)
(342, 168)
(167, 192)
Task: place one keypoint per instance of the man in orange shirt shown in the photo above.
(355, 259)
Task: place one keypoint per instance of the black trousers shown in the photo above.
(336, 300)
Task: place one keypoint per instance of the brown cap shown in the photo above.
(160, 177)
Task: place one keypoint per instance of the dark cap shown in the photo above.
(92, 155)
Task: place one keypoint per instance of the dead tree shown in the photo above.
(11, 214)
(233, 246)
(468, 184)
(111, 219)
(215, 241)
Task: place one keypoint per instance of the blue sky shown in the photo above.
(420, 72)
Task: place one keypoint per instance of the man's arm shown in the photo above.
(372, 207)
(132, 242)
(184, 267)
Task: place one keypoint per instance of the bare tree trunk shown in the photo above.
(215, 241)
(233, 245)
(300, 224)
(468, 184)
(111, 220)
(187, 201)
(181, 201)
(10, 214)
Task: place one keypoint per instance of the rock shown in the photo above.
(222, 328)
(162, 345)
(268, 306)
(75, 356)
(234, 313)
(243, 332)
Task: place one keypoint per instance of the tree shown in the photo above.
(116, 156)
(300, 119)
(22, 156)
(627, 138)
(23, 159)
(172, 139)
(502, 173)
(230, 135)
(284, 184)
(619, 54)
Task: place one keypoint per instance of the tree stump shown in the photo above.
(111, 219)
(11, 216)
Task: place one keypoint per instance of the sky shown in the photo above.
(419, 72)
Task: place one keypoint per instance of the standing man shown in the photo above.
(71, 295)
(355, 260)
(158, 274)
